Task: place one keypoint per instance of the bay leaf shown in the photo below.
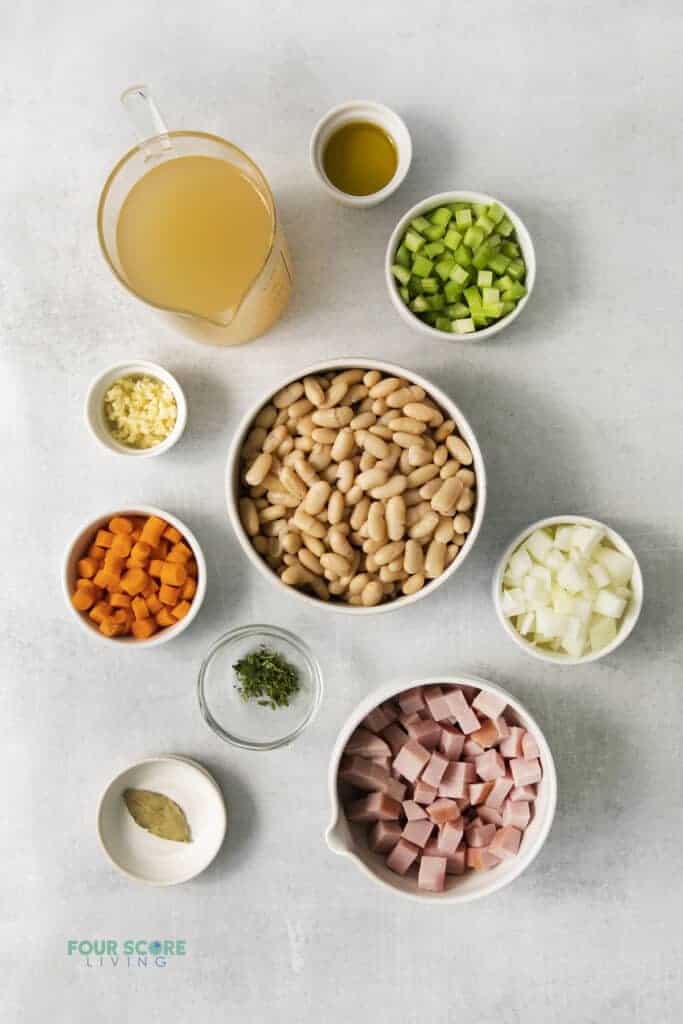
(157, 814)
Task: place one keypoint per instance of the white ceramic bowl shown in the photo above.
(94, 408)
(147, 858)
(82, 541)
(630, 615)
(375, 113)
(350, 839)
(525, 243)
(391, 369)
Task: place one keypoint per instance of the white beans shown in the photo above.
(355, 487)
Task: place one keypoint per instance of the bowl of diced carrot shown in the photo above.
(135, 576)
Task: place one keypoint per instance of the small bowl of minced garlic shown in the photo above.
(136, 409)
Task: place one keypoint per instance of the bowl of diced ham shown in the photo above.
(442, 791)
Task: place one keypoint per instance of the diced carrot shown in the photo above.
(168, 595)
(152, 530)
(161, 550)
(133, 563)
(107, 579)
(96, 552)
(99, 611)
(173, 574)
(119, 601)
(121, 545)
(83, 598)
(181, 610)
(155, 567)
(123, 616)
(87, 567)
(114, 563)
(109, 627)
(154, 604)
(135, 536)
(134, 581)
(191, 567)
(179, 553)
(170, 533)
(121, 524)
(140, 609)
(164, 618)
(189, 589)
(150, 589)
(142, 629)
(140, 551)
(104, 539)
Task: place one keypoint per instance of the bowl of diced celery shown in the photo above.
(460, 265)
(568, 590)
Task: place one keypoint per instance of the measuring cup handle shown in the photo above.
(149, 125)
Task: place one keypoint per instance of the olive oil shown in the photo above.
(360, 158)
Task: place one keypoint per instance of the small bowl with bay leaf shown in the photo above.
(259, 687)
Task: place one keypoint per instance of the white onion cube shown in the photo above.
(572, 578)
(525, 623)
(562, 602)
(586, 538)
(535, 590)
(620, 567)
(602, 632)
(599, 574)
(513, 603)
(610, 604)
(555, 560)
(541, 573)
(520, 565)
(583, 609)
(540, 544)
(549, 623)
(563, 537)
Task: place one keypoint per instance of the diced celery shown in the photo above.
(490, 295)
(422, 267)
(444, 267)
(457, 310)
(465, 326)
(429, 317)
(452, 291)
(405, 294)
(517, 291)
(413, 241)
(459, 275)
(511, 249)
(419, 223)
(436, 302)
(463, 255)
(485, 278)
(452, 239)
(483, 255)
(484, 224)
(479, 209)
(435, 231)
(508, 307)
(516, 270)
(499, 263)
(434, 249)
(495, 213)
(403, 257)
(473, 237)
(463, 217)
(430, 285)
(506, 227)
(493, 310)
(414, 286)
(443, 324)
(441, 216)
(419, 304)
(503, 283)
(473, 299)
(401, 274)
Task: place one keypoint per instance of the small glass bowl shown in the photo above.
(247, 724)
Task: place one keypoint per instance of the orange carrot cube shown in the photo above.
(179, 553)
(119, 601)
(181, 610)
(121, 524)
(168, 594)
(142, 629)
(107, 579)
(140, 609)
(83, 598)
(140, 551)
(191, 567)
(104, 539)
(164, 618)
(173, 535)
(121, 545)
(109, 627)
(154, 604)
(173, 573)
(114, 563)
(153, 530)
(87, 567)
(134, 581)
(99, 611)
(96, 552)
(189, 589)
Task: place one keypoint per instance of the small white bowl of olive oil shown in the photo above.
(361, 152)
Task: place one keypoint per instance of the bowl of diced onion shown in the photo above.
(568, 590)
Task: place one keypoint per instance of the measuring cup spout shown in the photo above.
(150, 127)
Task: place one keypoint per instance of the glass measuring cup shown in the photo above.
(258, 299)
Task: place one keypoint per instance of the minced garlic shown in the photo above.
(140, 411)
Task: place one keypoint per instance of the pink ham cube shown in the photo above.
(376, 720)
(364, 774)
(451, 742)
(374, 807)
(505, 842)
(411, 700)
(390, 710)
(481, 859)
(490, 766)
(499, 790)
(417, 832)
(486, 735)
(462, 712)
(479, 835)
(472, 749)
(489, 704)
(411, 759)
(456, 779)
(517, 814)
(425, 731)
(366, 744)
(479, 791)
(511, 746)
(395, 737)
(384, 835)
(502, 728)
(455, 862)
(432, 874)
(435, 769)
(450, 837)
(525, 773)
(423, 793)
(525, 793)
(413, 811)
(529, 747)
(437, 703)
(406, 720)
(383, 762)
(443, 810)
(395, 789)
(403, 856)
(490, 815)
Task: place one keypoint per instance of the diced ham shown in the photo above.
(490, 766)
(479, 835)
(450, 837)
(489, 704)
(413, 811)
(374, 807)
(432, 874)
(505, 842)
(462, 712)
(405, 720)
(479, 791)
(395, 789)
(366, 744)
(443, 810)
(502, 728)
(451, 742)
(435, 769)
(417, 832)
(390, 710)
(411, 759)
(472, 749)
(423, 793)
(384, 835)
(529, 747)
(517, 813)
(525, 793)
(485, 736)
(411, 700)
(511, 746)
(437, 703)
(456, 779)
(499, 790)
(403, 856)
(425, 731)
(376, 720)
(383, 762)
(455, 862)
(481, 859)
(525, 773)
(395, 737)
(490, 815)
(364, 774)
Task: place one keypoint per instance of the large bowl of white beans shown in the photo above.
(356, 485)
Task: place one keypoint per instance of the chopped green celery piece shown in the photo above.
(511, 249)
(516, 270)
(419, 223)
(430, 285)
(460, 206)
(479, 209)
(495, 213)
(506, 227)
(452, 239)
(429, 317)
(401, 274)
(518, 291)
(443, 324)
(463, 217)
(464, 326)
(405, 294)
(433, 249)
(490, 295)
(441, 216)
(485, 278)
(452, 291)
(403, 257)
(463, 255)
(434, 231)
(473, 237)
(436, 302)
(493, 310)
(494, 241)
(419, 304)
(473, 297)
(457, 310)
(413, 241)
(508, 307)
(483, 255)
(459, 275)
(444, 267)
(499, 263)
(414, 286)
(484, 224)
(503, 283)
(422, 267)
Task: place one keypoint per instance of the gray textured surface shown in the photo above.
(571, 113)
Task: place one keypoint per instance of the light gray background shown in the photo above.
(570, 113)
